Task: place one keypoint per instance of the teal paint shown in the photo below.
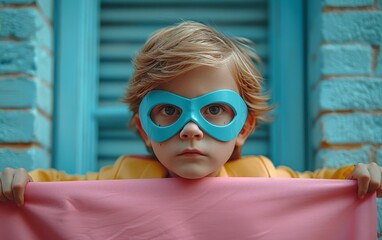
(352, 26)
(25, 24)
(17, 1)
(335, 158)
(378, 70)
(24, 126)
(286, 42)
(117, 71)
(18, 23)
(29, 159)
(16, 57)
(46, 7)
(351, 93)
(25, 51)
(379, 157)
(45, 98)
(163, 16)
(348, 3)
(113, 116)
(44, 66)
(141, 33)
(16, 158)
(75, 127)
(17, 126)
(346, 59)
(18, 93)
(29, 57)
(313, 59)
(350, 128)
(42, 131)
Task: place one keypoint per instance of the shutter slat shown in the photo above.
(255, 147)
(115, 148)
(115, 52)
(168, 15)
(124, 28)
(120, 133)
(117, 115)
(110, 90)
(176, 2)
(116, 70)
(141, 33)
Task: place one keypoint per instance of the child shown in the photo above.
(195, 97)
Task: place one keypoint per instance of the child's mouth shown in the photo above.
(191, 153)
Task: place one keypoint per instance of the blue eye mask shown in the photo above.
(190, 110)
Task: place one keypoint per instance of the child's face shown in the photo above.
(192, 153)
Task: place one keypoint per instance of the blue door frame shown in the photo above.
(75, 127)
(288, 130)
(76, 77)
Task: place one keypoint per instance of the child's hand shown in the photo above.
(12, 186)
(368, 177)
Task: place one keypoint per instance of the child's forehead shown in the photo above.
(200, 81)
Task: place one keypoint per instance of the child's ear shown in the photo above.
(142, 132)
(247, 129)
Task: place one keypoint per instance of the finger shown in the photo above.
(361, 173)
(379, 190)
(375, 177)
(20, 180)
(379, 193)
(6, 183)
(2, 197)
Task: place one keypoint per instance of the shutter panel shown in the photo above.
(125, 26)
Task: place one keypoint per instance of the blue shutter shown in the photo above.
(125, 26)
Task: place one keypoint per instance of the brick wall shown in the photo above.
(26, 79)
(345, 77)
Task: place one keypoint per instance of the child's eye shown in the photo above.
(218, 114)
(170, 110)
(165, 114)
(214, 109)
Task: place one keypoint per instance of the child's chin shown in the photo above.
(193, 175)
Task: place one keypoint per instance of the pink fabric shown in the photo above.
(211, 208)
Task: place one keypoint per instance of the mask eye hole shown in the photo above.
(165, 114)
(218, 114)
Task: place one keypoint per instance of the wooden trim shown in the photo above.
(287, 76)
(76, 83)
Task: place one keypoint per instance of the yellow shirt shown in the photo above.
(135, 167)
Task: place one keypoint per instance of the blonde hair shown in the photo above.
(177, 49)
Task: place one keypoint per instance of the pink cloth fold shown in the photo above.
(211, 208)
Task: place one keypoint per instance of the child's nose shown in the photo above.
(191, 130)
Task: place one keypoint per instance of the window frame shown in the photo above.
(288, 130)
(75, 87)
(75, 137)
